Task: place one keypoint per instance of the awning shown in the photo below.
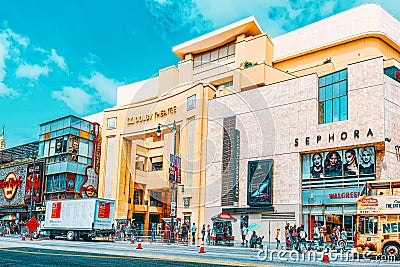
(223, 217)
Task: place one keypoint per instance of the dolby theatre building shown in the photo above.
(271, 130)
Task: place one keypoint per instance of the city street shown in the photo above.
(14, 251)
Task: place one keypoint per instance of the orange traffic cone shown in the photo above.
(23, 237)
(325, 258)
(202, 247)
(139, 245)
(133, 241)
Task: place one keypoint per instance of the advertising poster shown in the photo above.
(12, 184)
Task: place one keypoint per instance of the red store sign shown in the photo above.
(344, 195)
(10, 185)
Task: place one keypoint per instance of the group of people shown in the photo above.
(294, 236)
(333, 164)
(183, 232)
(10, 227)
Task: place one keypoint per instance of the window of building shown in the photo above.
(111, 123)
(157, 163)
(186, 201)
(224, 85)
(156, 199)
(191, 102)
(332, 97)
(393, 72)
(215, 59)
(140, 163)
(138, 197)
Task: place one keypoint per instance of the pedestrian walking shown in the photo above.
(194, 230)
(203, 232)
(244, 233)
(278, 238)
(208, 234)
(185, 234)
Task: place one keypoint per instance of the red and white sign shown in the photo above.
(385, 204)
(104, 210)
(344, 195)
(56, 210)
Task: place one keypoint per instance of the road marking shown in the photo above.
(165, 258)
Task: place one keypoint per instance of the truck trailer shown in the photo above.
(79, 218)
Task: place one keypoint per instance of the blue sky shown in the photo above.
(68, 56)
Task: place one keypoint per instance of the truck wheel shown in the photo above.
(86, 238)
(392, 250)
(70, 236)
(52, 236)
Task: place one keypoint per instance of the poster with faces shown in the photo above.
(366, 157)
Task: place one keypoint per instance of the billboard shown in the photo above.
(12, 184)
(35, 178)
(385, 204)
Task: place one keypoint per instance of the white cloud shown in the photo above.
(23, 41)
(106, 88)
(6, 36)
(59, 60)
(174, 16)
(92, 59)
(75, 98)
(31, 71)
(8, 92)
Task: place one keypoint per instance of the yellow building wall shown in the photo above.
(340, 56)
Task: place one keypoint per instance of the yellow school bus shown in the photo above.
(378, 219)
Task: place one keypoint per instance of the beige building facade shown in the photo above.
(241, 101)
(300, 150)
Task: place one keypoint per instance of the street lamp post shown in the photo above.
(174, 183)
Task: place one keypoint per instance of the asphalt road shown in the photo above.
(47, 257)
(14, 252)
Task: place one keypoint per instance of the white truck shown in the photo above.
(85, 218)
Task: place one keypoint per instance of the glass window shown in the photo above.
(83, 147)
(333, 105)
(191, 102)
(305, 166)
(322, 93)
(201, 62)
(157, 163)
(328, 111)
(335, 110)
(231, 49)
(343, 108)
(140, 163)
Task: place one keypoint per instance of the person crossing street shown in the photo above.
(194, 230)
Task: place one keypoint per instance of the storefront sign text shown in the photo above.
(10, 185)
(385, 204)
(331, 137)
(344, 195)
(154, 115)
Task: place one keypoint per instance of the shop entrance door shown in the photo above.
(349, 223)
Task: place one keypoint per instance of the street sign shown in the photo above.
(32, 224)
(172, 212)
(173, 204)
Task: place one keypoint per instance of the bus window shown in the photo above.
(369, 225)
